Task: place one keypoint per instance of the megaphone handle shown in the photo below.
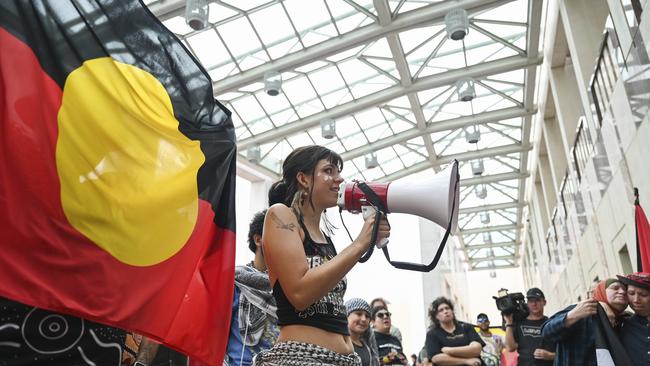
(375, 231)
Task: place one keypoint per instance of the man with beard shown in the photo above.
(491, 353)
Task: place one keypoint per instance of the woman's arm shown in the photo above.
(285, 257)
(471, 350)
(443, 359)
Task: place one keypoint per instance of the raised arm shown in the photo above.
(287, 263)
(510, 342)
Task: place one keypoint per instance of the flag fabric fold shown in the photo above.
(642, 235)
(117, 173)
(609, 349)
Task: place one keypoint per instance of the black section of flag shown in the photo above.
(32, 336)
(65, 33)
(608, 347)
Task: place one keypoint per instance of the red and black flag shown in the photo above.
(117, 173)
(642, 235)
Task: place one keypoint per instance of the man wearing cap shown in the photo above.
(525, 336)
(491, 353)
(635, 330)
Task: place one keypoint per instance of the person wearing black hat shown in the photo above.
(525, 336)
(635, 330)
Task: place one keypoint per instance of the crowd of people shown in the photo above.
(289, 307)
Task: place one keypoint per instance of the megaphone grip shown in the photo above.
(373, 239)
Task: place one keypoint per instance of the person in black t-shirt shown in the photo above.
(449, 341)
(526, 336)
(390, 348)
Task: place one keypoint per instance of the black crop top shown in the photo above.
(328, 313)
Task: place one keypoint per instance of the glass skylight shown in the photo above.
(387, 77)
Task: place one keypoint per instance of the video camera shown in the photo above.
(514, 303)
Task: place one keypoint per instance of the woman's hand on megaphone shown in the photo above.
(364, 237)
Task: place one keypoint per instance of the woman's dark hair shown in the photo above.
(255, 228)
(302, 159)
(377, 309)
(433, 311)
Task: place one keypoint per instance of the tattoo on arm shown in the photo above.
(147, 351)
(280, 224)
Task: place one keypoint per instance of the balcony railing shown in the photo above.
(604, 77)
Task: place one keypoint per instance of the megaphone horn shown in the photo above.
(434, 198)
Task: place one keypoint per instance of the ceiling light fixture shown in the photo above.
(272, 83)
(457, 24)
(197, 14)
(328, 128)
(371, 161)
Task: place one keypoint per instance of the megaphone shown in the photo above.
(435, 198)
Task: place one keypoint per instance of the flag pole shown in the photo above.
(639, 262)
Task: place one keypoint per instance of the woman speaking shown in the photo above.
(307, 275)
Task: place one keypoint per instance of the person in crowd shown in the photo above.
(491, 353)
(390, 348)
(635, 330)
(414, 360)
(380, 301)
(360, 333)
(253, 324)
(574, 328)
(525, 336)
(306, 273)
(448, 341)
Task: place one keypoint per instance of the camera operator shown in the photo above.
(525, 336)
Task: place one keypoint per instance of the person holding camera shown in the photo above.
(525, 335)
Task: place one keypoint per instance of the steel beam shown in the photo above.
(449, 124)
(416, 168)
(535, 9)
(499, 206)
(388, 94)
(493, 178)
(486, 259)
(493, 268)
(433, 14)
(492, 246)
(489, 229)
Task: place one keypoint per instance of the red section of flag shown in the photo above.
(45, 262)
(642, 238)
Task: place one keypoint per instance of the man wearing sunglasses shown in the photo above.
(491, 353)
(390, 348)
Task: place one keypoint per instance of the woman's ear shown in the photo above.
(303, 180)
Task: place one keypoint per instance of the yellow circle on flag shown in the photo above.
(128, 175)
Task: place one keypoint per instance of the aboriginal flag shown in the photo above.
(117, 173)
